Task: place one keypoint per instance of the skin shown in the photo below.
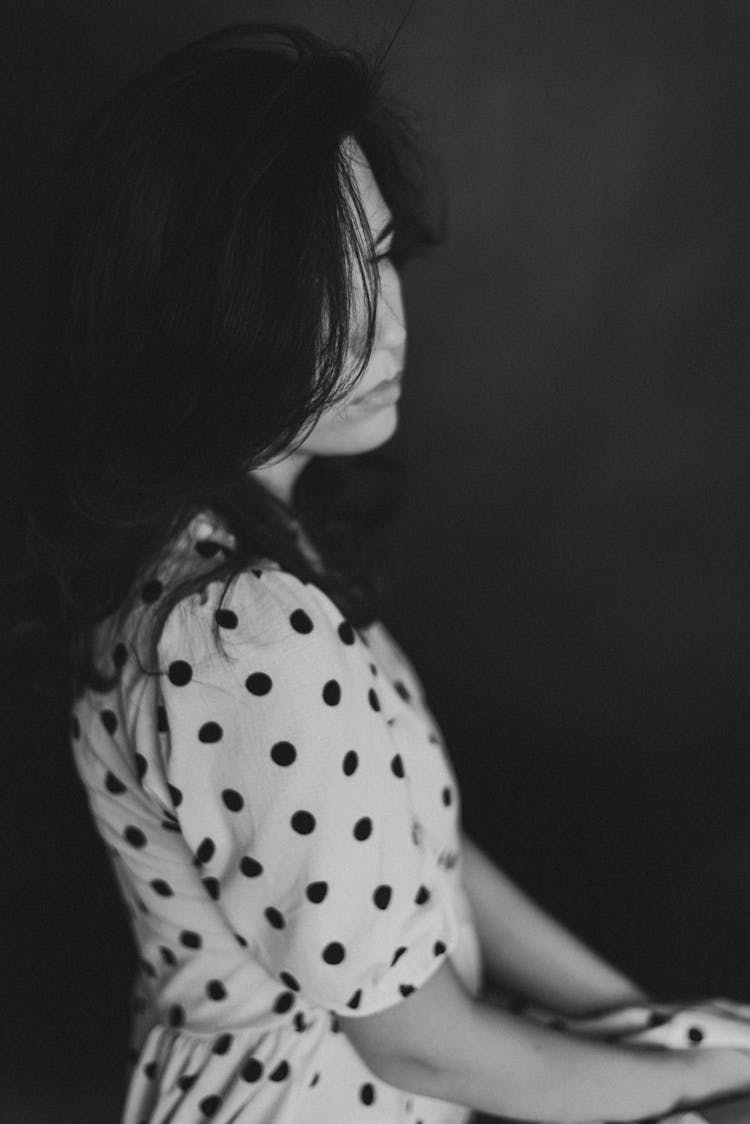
(352, 427)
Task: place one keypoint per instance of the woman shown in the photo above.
(223, 359)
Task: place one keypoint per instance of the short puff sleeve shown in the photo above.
(294, 796)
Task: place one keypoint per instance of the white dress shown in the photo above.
(284, 826)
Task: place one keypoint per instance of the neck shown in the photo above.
(279, 479)
(280, 476)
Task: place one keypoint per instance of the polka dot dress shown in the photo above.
(283, 824)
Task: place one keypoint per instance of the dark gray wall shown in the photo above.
(571, 559)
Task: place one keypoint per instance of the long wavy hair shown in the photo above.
(198, 322)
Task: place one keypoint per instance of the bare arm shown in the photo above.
(442, 1043)
(530, 953)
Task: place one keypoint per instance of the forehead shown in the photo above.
(374, 205)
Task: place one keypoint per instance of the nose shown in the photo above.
(391, 325)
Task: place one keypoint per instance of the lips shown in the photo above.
(385, 386)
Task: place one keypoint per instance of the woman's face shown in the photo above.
(368, 416)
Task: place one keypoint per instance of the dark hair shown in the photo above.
(196, 325)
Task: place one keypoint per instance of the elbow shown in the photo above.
(405, 1072)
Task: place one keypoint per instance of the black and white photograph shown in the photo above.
(375, 598)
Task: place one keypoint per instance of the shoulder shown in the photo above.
(267, 610)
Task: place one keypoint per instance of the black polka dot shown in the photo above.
(300, 621)
(222, 1044)
(447, 796)
(233, 800)
(372, 698)
(274, 917)
(240, 940)
(141, 765)
(316, 891)
(373, 669)
(258, 683)
(355, 999)
(251, 868)
(167, 955)
(335, 1024)
(398, 954)
(170, 824)
(210, 732)
(363, 828)
(134, 836)
(109, 720)
(252, 1070)
(205, 850)
(422, 896)
(190, 939)
(299, 1022)
(187, 1081)
(280, 1072)
(283, 753)
(162, 724)
(225, 618)
(397, 766)
(215, 990)
(346, 632)
(290, 980)
(695, 1035)
(152, 591)
(283, 1002)
(213, 886)
(176, 795)
(176, 1015)
(209, 1106)
(303, 822)
(367, 1093)
(406, 989)
(402, 690)
(332, 693)
(180, 672)
(438, 948)
(351, 760)
(147, 968)
(382, 897)
(150, 1070)
(207, 548)
(162, 888)
(75, 726)
(113, 784)
(120, 655)
(315, 1080)
(334, 953)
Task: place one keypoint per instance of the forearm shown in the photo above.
(501, 1064)
(530, 953)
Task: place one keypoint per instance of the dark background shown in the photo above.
(571, 560)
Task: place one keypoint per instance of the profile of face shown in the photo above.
(368, 416)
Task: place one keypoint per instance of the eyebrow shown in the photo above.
(389, 228)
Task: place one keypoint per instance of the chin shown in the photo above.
(374, 431)
(336, 438)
